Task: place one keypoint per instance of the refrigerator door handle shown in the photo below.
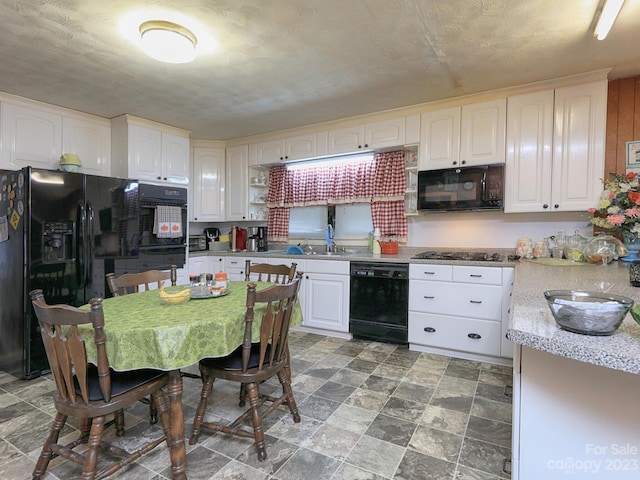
(80, 244)
(90, 247)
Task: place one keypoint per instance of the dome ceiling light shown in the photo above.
(167, 41)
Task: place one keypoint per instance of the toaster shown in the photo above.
(197, 243)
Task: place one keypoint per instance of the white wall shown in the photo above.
(491, 229)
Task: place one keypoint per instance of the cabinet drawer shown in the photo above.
(233, 262)
(464, 334)
(425, 271)
(475, 301)
(336, 267)
(480, 275)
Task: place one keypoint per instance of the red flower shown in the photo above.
(630, 175)
(634, 197)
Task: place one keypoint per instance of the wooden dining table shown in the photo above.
(143, 332)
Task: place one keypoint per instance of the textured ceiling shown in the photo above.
(287, 63)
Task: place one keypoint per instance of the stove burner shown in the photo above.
(468, 256)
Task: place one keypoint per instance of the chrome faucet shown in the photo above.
(331, 245)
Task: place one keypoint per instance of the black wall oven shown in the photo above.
(379, 301)
(155, 252)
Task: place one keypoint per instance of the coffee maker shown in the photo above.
(262, 239)
(252, 239)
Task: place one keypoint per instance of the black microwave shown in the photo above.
(464, 188)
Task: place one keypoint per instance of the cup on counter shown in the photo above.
(634, 273)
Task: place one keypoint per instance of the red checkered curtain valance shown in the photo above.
(379, 181)
(387, 204)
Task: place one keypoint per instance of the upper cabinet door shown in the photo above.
(175, 158)
(270, 152)
(300, 147)
(30, 137)
(578, 161)
(482, 133)
(237, 182)
(529, 152)
(346, 140)
(208, 193)
(91, 141)
(145, 153)
(439, 139)
(386, 133)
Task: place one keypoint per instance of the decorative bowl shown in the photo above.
(588, 313)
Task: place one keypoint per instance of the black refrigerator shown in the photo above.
(57, 230)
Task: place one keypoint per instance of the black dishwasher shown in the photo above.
(379, 301)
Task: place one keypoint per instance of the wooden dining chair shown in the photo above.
(90, 392)
(251, 363)
(131, 282)
(265, 272)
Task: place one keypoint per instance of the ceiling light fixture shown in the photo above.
(608, 15)
(167, 41)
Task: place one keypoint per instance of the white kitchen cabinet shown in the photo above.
(208, 181)
(237, 191)
(529, 152)
(382, 134)
(573, 419)
(470, 135)
(31, 136)
(287, 149)
(555, 155)
(205, 264)
(439, 139)
(324, 297)
(579, 139)
(458, 309)
(90, 139)
(482, 133)
(149, 151)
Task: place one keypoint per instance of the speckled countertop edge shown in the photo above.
(532, 325)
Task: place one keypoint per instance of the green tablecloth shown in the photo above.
(142, 332)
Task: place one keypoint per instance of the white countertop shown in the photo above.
(532, 325)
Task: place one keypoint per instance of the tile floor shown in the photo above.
(369, 411)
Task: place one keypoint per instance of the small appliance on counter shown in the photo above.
(238, 239)
(262, 239)
(197, 243)
(252, 239)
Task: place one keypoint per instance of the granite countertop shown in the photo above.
(532, 325)
(404, 255)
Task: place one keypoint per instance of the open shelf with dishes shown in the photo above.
(258, 191)
(411, 173)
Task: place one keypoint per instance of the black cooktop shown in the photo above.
(468, 256)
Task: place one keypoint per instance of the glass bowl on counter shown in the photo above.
(604, 249)
(588, 313)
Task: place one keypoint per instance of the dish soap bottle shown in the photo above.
(377, 250)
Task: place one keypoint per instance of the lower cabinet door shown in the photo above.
(455, 333)
(326, 302)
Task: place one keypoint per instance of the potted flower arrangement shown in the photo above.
(619, 209)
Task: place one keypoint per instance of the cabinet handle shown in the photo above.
(429, 273)
(463, 162)
(556, 206)
(429, 329)
(545, 206)
(475, 275)
(158, 178)
(474, 336)
(429, 297)
(508, 391)
(455, 163)
(475, 301)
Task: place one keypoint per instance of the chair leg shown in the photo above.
(47, 453)
(207, 386)
(158, 399)
(91, 457)
(291, 402)
(243, 395)
(256, 420)
(153, 413)
(118, 418)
